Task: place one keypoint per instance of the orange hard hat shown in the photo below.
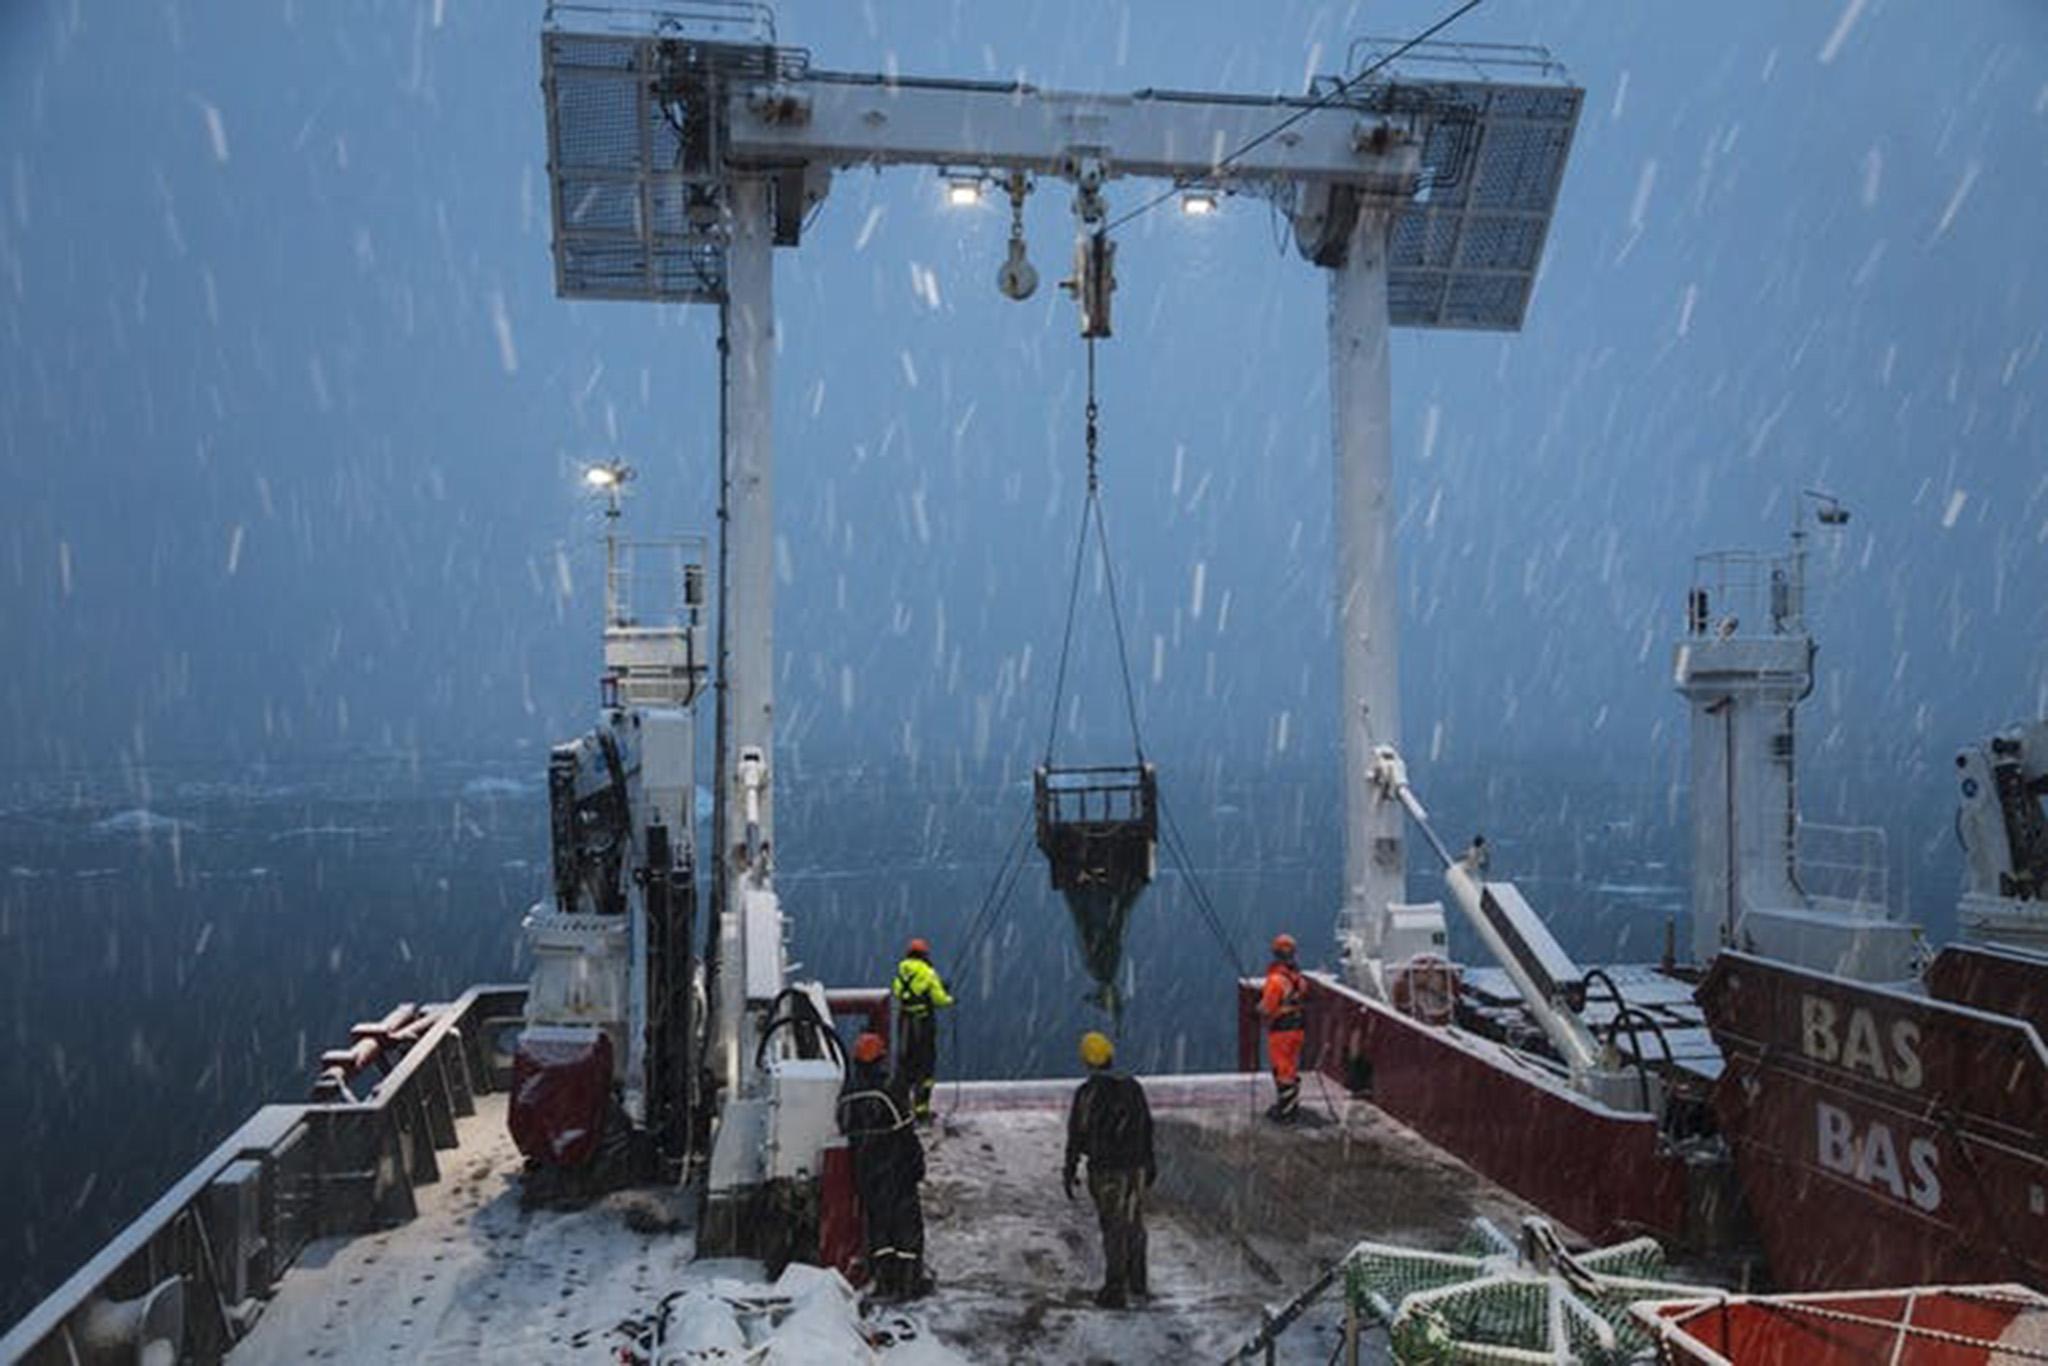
(919, 948)
(869, 1047)
(1283, 943)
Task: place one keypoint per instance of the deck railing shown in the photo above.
(194, 1268)
(1849, 865)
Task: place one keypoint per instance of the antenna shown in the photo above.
(1828, 509)
(1788, 600)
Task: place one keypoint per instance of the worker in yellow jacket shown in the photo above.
(919, 992)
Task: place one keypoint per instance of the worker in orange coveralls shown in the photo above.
(1283, 1006)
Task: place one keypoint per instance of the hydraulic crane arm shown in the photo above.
(1552, 987)
(2000, 819)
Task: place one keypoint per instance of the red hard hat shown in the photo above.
(918, 948)
(1283, 943)
(869, 1047)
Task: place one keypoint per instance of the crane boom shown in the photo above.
(1552, 987)
(2003, 828)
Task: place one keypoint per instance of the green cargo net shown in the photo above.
(1499, 1303)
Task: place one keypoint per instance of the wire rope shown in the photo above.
(1323, 101)
(1205, 906)
(1091, 516)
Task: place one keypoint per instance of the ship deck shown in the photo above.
(1243, 1216)
(1681, 1037)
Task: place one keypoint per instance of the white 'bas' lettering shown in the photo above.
(1906, 1071)
(1861, 1044)
(1817, 1029)
(1872, 1157)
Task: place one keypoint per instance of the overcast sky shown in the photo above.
(290, 417)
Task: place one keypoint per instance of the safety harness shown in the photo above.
(897, 1119)
(915, 998)
(1290, 1015)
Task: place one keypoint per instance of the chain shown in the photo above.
(1094, 480)
(1906, 1329)
(1020, 185)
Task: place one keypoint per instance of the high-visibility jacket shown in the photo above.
(1285, 995)
(918, 988)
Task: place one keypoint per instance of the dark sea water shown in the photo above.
(178, 953)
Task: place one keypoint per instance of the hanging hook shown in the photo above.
(1017, 278)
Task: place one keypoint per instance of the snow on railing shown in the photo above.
(1845, 864)
(194, 1270)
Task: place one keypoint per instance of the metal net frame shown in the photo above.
(1492, 1304)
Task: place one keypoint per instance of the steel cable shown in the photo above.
(992, 903)
(1091, 512)
(1176, 846)
(1059, 686)
(1322, 101)
(998, 894)
(1116, 617)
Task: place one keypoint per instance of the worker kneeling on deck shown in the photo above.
(919, 991)
(888, 1163)
(1110, 1124)
(1283, 1005)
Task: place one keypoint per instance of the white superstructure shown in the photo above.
(1745, 663)
(610, 943)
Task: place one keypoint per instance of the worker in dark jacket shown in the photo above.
(888, 1163)
(1110, 1124)
(920, 992)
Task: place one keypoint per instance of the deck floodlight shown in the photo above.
(963, 192)
(1199, 203)
(608, 477)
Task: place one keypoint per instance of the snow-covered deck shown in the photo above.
(1244, 1215)
(477, 1278)
(473, 1276)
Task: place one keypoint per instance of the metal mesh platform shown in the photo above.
(635, 142)
(1500, 121)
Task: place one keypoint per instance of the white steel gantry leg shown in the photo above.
(746, 629)
(750, 519)
(1361, 403)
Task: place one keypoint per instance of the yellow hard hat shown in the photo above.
(1096, 1049)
